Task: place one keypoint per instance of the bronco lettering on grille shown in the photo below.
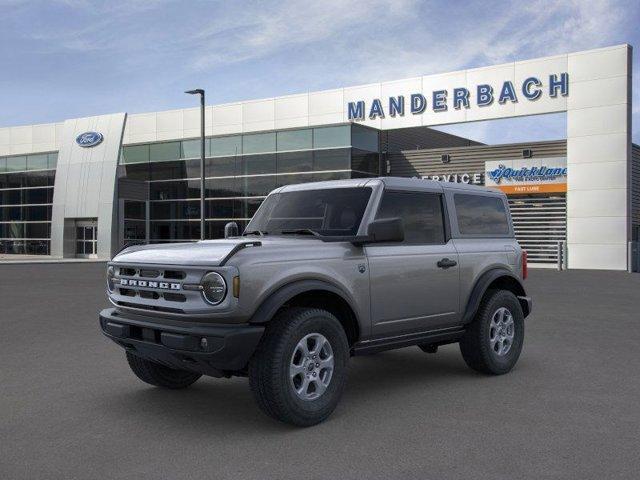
(149, 284)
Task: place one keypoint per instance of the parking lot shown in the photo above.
(70, 407)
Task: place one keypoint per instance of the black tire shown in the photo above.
(269, 377)
(159, 375)
(476, 344)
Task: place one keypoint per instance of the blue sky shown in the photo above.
(73, 58)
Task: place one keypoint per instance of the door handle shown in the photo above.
(446, 263)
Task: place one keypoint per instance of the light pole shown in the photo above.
(200, 91)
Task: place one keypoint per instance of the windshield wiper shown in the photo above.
(301, 231)
(255, 232)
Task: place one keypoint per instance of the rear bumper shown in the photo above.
(527, 305)
(210, 349)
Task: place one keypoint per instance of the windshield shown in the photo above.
(329, 211)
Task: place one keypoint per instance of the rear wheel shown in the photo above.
(299, 370)
(159, 375)
(493, 340)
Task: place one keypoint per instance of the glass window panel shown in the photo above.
(3, 164)
(52, 160)
(135, 154)
(421, 215)
(481, 215)
(11, 197)
(162, 152)
(175, 230)
(222, 187)
(16, 164)
(37, 230)
(364, 138)
(139, 171)
(191, 148)
(133, 209)
(15, 230)
(295, 162)
(174, 190)
(38, 179)
(221, 166)
(332, 159)
(364, 161)
(37, 247)
(246, 208)
(8, 214)
(215, 229)
(37, 195)
(226, 146)
(256, 186)
(221, 208)
(37, 213)
(38, 162)
(295, 140)
(134, 230)
(179, 210)
(257, 164)
(327, 137)
(259, 143)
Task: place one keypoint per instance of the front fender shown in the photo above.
(279, 297)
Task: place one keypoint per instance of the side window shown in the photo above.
(421, 214)
(481, 215)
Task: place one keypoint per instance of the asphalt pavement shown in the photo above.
(71, 409)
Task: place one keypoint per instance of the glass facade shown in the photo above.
(26, 196)
(240, 171)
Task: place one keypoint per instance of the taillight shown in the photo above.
(525, 267)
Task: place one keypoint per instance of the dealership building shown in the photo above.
(85, 187)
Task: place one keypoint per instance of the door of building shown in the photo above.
(87, 239)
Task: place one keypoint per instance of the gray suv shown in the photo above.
(323, 272)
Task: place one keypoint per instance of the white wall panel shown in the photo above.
(601, 175)
(596, 148)
(541, 69)
(600, 63)
(447, 82)
(494, 76)
(367, 93)
(610, 91)
(597, 203)
(597, 120)
(598, 256)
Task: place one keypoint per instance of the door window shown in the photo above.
(421, 215)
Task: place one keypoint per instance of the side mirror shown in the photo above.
(231, 230)
(386, 230)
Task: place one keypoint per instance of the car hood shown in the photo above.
(208, 252)
(215, 252)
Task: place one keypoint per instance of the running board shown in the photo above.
(440, 337)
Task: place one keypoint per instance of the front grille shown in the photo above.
(158, 289)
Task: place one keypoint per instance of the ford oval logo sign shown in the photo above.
(89, 139)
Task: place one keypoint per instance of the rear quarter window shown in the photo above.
(481, 215)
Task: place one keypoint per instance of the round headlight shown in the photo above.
(214, 288)
(111, 272)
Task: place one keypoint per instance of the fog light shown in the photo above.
(204, 343)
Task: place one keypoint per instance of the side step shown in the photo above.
(440, 337)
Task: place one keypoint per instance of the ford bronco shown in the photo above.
(323, 272)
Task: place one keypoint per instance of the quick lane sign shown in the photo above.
(481, 95)
(528, 176)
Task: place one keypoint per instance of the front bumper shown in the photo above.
(210, 349)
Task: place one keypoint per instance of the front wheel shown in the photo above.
(493, 340)
(298, 372)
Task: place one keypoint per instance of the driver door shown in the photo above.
(413, 288)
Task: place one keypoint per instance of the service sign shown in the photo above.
(546, 175)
